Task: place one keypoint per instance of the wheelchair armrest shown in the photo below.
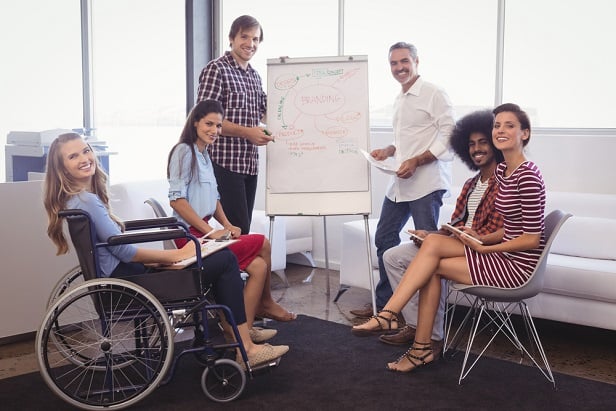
(158, 222)
(144, 237)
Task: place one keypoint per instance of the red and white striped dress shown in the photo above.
(521, 201)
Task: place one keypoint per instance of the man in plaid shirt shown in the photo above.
(231, 80)
(471, 140)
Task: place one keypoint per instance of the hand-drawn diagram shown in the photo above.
(318, 116)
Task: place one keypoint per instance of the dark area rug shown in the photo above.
(327, 368)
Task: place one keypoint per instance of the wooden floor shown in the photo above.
(581, 351)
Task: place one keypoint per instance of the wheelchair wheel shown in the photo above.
(104, 345)
(69, 280)
(224, 381)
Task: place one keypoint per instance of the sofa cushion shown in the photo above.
(585, 278)
(581, 204)
(587, 237)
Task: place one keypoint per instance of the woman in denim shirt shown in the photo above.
(193, 195)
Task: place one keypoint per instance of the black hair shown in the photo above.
(481, 121)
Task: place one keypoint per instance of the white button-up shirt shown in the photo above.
(423, 120)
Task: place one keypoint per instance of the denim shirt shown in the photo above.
(199, 188)
(108, 257)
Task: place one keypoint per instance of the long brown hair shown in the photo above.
(189, 132)
(60, 186)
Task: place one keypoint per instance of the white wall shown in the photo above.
(577, 163)
(30, 267)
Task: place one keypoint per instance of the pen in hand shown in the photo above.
(267, 133)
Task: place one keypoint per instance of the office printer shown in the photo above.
(26, 153)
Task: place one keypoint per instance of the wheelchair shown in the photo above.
(107, 343)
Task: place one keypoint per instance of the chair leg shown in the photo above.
(310, 277)
(283, 276)
(343, 288)
(308, 256)
(471, 338)
(499, 315)
(534, 337)
(451, 342)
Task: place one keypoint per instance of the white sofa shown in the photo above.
(580, 282)
(353, 256)
(289, 236)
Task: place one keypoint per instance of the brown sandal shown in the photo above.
(416, 361)
(361, 332)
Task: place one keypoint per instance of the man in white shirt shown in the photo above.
(422, 122)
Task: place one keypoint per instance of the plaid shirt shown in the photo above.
(487, 219)
(241, 94)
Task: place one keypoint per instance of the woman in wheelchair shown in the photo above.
(506, 258)
(194, 197)
(74, 180)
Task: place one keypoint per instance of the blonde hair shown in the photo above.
(60, 186)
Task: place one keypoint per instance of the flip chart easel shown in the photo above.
(318, 116)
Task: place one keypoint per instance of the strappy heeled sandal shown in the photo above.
(384, 325)
(416, 361)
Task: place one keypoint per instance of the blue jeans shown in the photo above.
(394, 216)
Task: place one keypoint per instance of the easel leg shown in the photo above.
(327, 291)
(369, 253)
(279, 273)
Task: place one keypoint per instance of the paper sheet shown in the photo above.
(388, 166)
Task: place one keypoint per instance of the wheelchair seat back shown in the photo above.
(165, 285)
(82, 233)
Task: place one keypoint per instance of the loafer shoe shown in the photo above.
(365, 312)
(405, 336)
(259, 335)
(268, 353)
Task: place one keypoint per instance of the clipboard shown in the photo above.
(207, 247)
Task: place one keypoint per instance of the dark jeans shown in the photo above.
(394, 216)
(223, 273)
(237, 196)
(220, 271)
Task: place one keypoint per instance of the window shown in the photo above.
(40, 74)
(559, 62)
(139, 83)
(298, 28)
(456, 47)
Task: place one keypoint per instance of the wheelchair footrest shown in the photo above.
(265, 367)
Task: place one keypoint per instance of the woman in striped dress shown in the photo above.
(505, 258)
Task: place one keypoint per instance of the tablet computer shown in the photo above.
(458, 231)
(414, 236)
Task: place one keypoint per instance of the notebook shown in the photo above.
(207, 247)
